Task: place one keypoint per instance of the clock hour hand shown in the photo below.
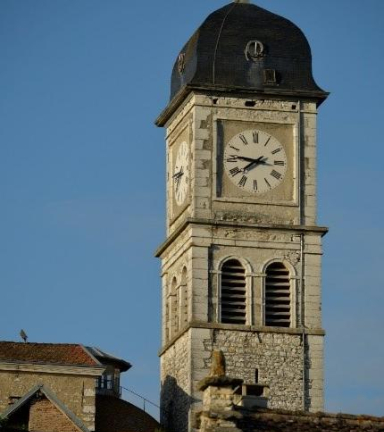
(247, 159)
(253, 164)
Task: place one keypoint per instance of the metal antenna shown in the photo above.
(23, 335)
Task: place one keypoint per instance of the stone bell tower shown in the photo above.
(241, 265)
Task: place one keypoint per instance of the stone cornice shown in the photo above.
(298, 229)
(217, 91)
(242, 328)
(51, 369)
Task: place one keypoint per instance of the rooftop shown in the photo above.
(57, 354)
(243, 48)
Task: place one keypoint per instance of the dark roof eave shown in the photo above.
(320, 96)
(105, 358)
(123, 365)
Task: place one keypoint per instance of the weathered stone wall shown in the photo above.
(76, 392)
(176, 384)
(226, 409)
(285, 421)
(198, 122)
(295, 125)
(277, 357)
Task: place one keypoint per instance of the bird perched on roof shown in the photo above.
(23, 335)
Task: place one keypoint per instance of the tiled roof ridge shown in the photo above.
(47, 353)
(41, 343)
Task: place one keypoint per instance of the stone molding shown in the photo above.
(52, 369)
(235, 224)
(242, 328)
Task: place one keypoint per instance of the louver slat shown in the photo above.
(277, 296)
(233, 293)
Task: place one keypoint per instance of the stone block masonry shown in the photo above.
(270, 358)
(176, 384)
(285, 421)
(224, 410)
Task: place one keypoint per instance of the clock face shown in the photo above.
(180, 175)
(255, 161)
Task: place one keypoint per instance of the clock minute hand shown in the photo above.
(264, 162)
(254, 162)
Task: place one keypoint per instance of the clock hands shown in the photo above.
(177, 177)
(252, 162)
(179, 174)
(264, 162)
(257, 168)
(247, 159)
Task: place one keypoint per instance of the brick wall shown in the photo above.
(44, 416)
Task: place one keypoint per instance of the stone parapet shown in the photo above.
(240, 420)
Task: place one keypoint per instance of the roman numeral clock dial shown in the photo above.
(255, 161)
(180, 177)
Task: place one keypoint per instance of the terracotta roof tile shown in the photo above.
(63, 354)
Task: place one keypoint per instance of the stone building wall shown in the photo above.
(215, 223)
(277, 357)
(226, 409)
(175, 370)
(76, 392)
(286, 421)
(198, 122)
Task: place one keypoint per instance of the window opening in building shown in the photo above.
(233, 293)
(277, 296)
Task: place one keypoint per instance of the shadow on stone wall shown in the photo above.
(175, 406)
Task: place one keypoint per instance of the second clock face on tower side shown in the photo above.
(255, 161)
(180, 175)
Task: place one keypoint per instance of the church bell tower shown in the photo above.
(241, 265)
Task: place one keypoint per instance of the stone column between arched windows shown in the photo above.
(183, 300)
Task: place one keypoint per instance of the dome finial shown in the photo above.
(241, 1)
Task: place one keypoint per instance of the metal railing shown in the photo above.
(144, 400)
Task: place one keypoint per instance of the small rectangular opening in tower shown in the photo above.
(270, 76)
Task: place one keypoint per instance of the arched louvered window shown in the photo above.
(277, 296)
(233, 294)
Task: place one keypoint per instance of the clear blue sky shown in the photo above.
(82, 177)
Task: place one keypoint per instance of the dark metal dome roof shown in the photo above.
(244, 48)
